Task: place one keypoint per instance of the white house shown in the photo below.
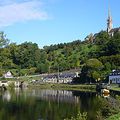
(8, 75)
(114, 77)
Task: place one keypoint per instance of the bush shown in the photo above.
(78, 117)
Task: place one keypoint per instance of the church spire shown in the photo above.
(109, 22)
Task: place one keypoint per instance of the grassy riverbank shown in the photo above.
(64, 86)
(117, 97)
(114, 117)
(115, 87)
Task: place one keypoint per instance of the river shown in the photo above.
(42, 104)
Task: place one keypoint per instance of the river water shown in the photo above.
(41, 104)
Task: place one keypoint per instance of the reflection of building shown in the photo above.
(21, 84)
(56, 95)
(6, 96)
(114, 77)
(17, 83)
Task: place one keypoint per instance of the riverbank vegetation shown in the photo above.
(78, 117)
(105, 109)
(114, 117)
(115, 87)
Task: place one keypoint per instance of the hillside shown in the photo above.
(27, 58)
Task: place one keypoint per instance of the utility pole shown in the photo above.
(58, 75)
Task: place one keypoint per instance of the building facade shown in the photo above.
(114, 77)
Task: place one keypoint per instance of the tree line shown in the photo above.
(96, 56)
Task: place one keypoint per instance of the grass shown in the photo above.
(114, 117)
(115, 87)
(78, 117)
(64, 86)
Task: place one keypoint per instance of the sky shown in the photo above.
(48, 22)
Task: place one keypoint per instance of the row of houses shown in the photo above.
(61, 78)
(114, 77)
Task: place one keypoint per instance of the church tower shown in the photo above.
(109, 22)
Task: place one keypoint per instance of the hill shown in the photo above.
(28, 58)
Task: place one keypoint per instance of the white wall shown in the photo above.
(114, 79)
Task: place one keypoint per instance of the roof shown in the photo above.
(115, 30)
(115, 73)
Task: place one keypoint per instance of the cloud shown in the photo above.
(14, 12)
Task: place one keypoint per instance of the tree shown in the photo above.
(107, 66)
(25, 55)
(96, 76)
(113, 47)
(3, 40)
(94, 64)
(43, 68)
(90, 71)
(101, 38)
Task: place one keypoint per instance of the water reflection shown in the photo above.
(6, 96)
(106, 95)
(54, 95)
(37, 104)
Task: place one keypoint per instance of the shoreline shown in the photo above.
(79, 87)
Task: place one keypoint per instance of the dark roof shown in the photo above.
(115, 72)
(115, 30)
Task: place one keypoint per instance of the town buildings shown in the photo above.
(114, 77)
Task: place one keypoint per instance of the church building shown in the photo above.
(110, 29)
(91, 38)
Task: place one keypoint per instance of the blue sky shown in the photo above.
(47, 22)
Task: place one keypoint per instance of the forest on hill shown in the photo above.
(96, 56)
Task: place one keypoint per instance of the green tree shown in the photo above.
(3, 40)
(113, 47)
(96, 76)
(94, 64)
(25, 55)
(89, 71)
(101, 38)
(107, 66)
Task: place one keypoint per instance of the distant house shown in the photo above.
(114, 30)
(114, 77)
(8, 75)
